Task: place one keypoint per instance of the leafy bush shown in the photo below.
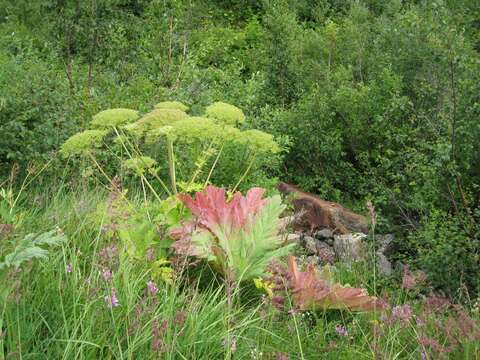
(447, 248)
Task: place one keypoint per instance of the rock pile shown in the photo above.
(328, 232)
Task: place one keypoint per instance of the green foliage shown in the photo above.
(32, 246)
(138, 236)
(140, 165)
(113, 118)
(35, 109)
(448, 250)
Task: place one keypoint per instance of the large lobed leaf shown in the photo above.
(238, 236)
(30, 248)
(311, 291)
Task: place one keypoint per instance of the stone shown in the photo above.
(313, 213)
(325, 253)
(293, 238)
(324, 234)
(386, 244)
(349, 247)
(310, 245)
(384, 266)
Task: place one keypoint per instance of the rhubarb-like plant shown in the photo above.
(311, 291)
(239, 237)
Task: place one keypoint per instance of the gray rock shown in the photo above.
(386, 242)
(293, 238)
(325, 253)
(384, 266)
(349, 247)
(310, 245)
(324, 234)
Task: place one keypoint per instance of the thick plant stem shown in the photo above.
(245, 173)
(171, 165)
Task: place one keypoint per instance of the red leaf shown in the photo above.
(212, 209)
(309, 291)
(214, 213)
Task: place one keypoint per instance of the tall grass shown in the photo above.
(62, 308)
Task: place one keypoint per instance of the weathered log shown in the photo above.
(313, 213)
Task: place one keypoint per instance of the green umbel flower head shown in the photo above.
(83, 142)
(114, 117)
(171, 105)
(225, 113)
(259, 141)
(155, 119)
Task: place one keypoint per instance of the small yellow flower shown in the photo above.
(266, 286)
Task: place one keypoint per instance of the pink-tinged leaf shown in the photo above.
(310, 291)
(209, 206)
(212, 210)
(237, 236)
(243, 207)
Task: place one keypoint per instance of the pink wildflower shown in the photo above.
(112, 300)
(341, 330)
(107, 274)
(402, 312)
(152, 288)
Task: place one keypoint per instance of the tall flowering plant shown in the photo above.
(239, 237)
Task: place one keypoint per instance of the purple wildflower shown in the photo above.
(402, 312)
(112, 300)
(69, 268)
(152, 288)
(341, 330)
(107, 274)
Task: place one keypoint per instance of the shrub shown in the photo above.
(448, 251)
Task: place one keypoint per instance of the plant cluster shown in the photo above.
(193, 143)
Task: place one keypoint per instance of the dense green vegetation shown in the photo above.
(109, 108)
